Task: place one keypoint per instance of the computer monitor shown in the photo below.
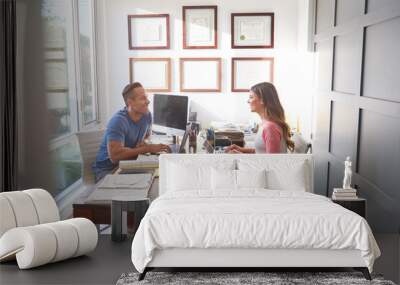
(170, 114)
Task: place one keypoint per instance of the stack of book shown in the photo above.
(144, 163)
(344, 194)
(130, 186)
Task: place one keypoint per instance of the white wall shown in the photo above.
(292, 62)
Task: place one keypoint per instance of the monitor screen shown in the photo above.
(170, 111)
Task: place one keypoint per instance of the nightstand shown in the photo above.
(358, 206)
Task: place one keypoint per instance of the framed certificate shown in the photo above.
(153, 73)
(148, 31)
(248, 71)
(200, 74)
(199, 27)
(252, 30)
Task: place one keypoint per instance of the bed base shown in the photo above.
(364, 270)
(242, 259)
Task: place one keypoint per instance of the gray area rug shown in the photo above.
(228, 278)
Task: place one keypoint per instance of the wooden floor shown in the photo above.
(103, 266)
(111, 259)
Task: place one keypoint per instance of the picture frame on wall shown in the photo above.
(200, 74)
(153, 73)
(200, 27)
(150, 31)
(248, 71)
(252, 30)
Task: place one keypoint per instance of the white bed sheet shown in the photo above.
(252, 218)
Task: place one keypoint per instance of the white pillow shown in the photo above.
(282, 173)
(292, 180)
(183, 178)
(223, 179)
(193, 176)
(251, 179)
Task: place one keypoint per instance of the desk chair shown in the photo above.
(89, 144)
(300, 144)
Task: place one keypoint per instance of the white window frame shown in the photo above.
(79, 90)
(72, 96)
(75, 92)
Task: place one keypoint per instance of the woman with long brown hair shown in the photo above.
(273, 133)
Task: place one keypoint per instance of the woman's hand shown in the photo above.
(234, 149)
(238, 149)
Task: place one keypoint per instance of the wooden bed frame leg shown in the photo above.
(143, 274)
(364, 271)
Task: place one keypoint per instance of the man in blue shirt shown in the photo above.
(126, 131)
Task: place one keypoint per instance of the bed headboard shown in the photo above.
(267, 160)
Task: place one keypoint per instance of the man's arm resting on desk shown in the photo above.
(117, 151)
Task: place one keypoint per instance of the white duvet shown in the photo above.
(255, 218)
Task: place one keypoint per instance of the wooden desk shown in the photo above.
(137, 206)
(100, 213)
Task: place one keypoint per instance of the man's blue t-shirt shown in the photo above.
(123, 129)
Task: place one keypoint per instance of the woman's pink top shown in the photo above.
(270, 138)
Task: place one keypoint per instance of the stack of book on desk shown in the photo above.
(122, 185)
(344, 194)
(144, 163)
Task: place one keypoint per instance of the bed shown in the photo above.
(247, 211)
